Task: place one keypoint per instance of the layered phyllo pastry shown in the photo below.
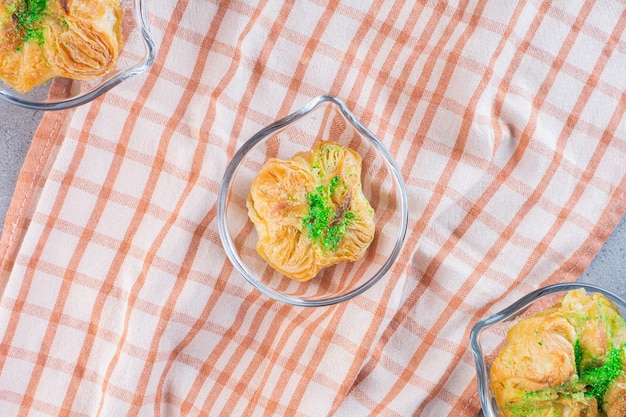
(567, 360)
(310, 211)
(43, 39)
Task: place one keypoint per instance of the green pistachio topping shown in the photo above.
(325, 224)
(599, 379)
(593, 381)
(28, 15)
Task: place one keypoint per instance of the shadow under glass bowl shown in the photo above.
(137, 55)
(489, 335)
(325, 118)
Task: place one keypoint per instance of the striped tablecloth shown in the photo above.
(506, 118)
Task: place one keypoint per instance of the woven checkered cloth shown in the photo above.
(505, 117)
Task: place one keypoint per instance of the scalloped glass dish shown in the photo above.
(489, 335)
(325, 118)
(137, 56)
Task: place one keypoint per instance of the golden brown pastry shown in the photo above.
(310, 211)
(43, 39)
(567, 360)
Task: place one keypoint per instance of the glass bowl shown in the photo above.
(325, 118)
(137, 56)
(489, 335)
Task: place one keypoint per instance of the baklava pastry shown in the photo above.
(43, 39)
(310, 211)
(567, 360)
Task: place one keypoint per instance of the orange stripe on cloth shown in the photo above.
(420, 225)
(69, 276)
(110, 280)
(138, 398)
(592, 166)
(223, 378)
(187, 404)
(527, 206)
(168, 308)
(26, 287)
(447, 174)
(286, 106)
(455, 302)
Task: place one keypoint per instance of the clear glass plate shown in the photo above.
(325, 118)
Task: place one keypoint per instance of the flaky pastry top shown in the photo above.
(310, 211)
(567, 360)
(43, 39)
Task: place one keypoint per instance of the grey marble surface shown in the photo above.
(17, 126)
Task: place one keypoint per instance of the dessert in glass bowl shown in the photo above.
(561, 353)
